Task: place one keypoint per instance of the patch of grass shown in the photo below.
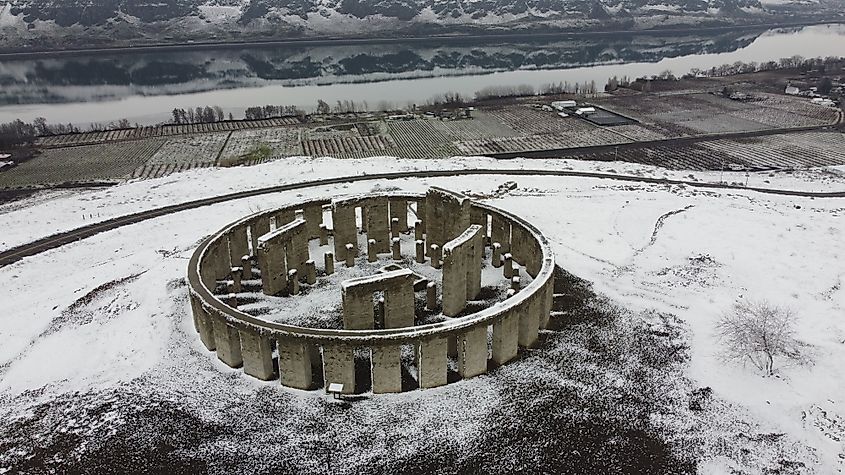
(259, 153)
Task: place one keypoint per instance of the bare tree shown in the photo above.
(760, 332)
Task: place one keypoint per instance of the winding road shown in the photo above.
(51, 242)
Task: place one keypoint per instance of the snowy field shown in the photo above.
(100, 366)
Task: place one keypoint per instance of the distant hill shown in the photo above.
(79, 23)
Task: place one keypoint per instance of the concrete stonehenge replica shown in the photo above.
(450, 233)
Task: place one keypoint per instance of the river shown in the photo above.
(145, 87)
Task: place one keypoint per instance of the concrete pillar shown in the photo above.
(246, 266)
(296, 250)
(238, 244)
(454, 282)
(237, 273)
(452, 346)
(339, 366)
(394, 227)
(257, 228)
(435, 256)
(386, 369)
(508, 262)
(515, 271)
(396, 247)
(526, 250)
(203, 322)
(324, 234)
(357, 309)
(505, 338)
(529, 322)
(474, 260)
(293, 281)
(350, 255)
(421, 210)
(418, 230)
(472, 352)
(310, 272)
(231, 300)
(500, 231)
(496, 258)
(447, 215)
(431, 296)
(328, 262)
(227, 342)
(478, 216)
(547, 301)
(432, 362)
(399, 212)
(257, 355)
(378, 223)
(345, 230)
(510, 293)
(399, 306)
(515, 283)
(294, 363)
(372, 251)
(274, 271)
(313, 216)
(287, 215)
(379, 313)
(420, 251)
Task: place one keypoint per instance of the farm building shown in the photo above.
(823, 101)
(792, 90)
(585, 111)
(561, 105)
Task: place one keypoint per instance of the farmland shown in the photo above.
(281, 141)
(89, 138)
(82, 164)
(183, 153)
(815, 149)
(705, 113)
(676, 129)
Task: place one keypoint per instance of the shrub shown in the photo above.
(761, 333)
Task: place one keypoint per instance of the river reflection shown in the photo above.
(145, 87)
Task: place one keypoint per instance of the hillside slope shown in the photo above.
(85, 23)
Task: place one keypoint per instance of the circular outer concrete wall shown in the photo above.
(309, 358)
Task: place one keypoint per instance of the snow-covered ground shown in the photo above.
(111, 310)
(52, 212)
